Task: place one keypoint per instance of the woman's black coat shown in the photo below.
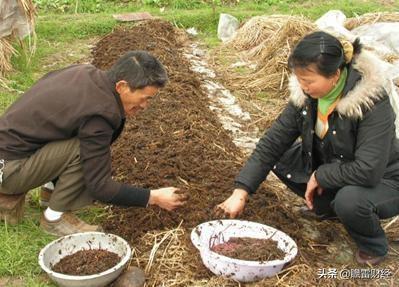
(363, 148)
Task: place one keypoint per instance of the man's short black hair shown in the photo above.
(139, 69)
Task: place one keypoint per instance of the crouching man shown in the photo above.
(61, 130)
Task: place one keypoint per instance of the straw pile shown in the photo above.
(370, 18)
(26, 11)
(255, 31)
(6, 52)
(265, 41)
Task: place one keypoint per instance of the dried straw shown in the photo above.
(6, 52)
(165, 257)
(157, 244)
(395, 219)
(6, 48)
(272, 55)
(371, 18)
(277, 35)
(255, 31)
(391, 58)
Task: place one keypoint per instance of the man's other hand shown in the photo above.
(168, 198)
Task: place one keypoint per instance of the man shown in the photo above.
(61, 131)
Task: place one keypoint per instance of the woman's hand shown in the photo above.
(312, 187)
(234, 205)
(167, 198)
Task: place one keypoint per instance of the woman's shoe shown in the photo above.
(365, 258)
(305, 212)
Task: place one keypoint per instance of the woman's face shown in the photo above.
(313, 83)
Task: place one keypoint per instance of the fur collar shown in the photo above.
(361, 96)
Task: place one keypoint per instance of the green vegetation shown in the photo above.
(21, 244)
(20, 247)
(81, 21)
(66, 29)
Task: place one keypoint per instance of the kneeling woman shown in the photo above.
(346, 162)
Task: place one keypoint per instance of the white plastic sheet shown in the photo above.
(13, 20)
(380, 35)
(227, 27)
(333, 22)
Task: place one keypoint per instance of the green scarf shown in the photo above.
(325, 102)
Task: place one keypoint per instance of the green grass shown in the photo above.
(63, 37)
(20, 246)
(57, 32)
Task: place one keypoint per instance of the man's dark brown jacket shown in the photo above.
(78, 101)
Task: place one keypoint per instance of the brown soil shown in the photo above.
(86, 262)
(178, 141)
(252, 249)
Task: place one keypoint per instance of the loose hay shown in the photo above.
(272, 55)
(6, 52)
(371, 18)
(28, 11)
(254, 63)
(267, 42)
(255, 31)
(168, 255)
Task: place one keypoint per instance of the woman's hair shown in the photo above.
(139, 69)
(324, 51)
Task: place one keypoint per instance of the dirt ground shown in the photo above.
(178, 141)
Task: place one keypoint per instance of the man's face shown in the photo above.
(135, 100)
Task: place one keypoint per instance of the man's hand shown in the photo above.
(167, 198)
(234, 205)
(312, 187)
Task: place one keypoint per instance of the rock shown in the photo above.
(132, 277)
(309, 230)
(11, 281)
(341, 252)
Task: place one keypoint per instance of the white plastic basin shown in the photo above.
(208, 234)
(53, 252)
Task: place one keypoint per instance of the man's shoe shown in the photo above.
(365, 258)
(67, 224)
(45, 195)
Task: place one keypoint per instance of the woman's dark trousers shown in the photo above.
(358, 208)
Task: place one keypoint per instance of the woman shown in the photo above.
(346, 163)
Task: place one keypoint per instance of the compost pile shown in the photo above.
(86, 262)
(178, 141)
